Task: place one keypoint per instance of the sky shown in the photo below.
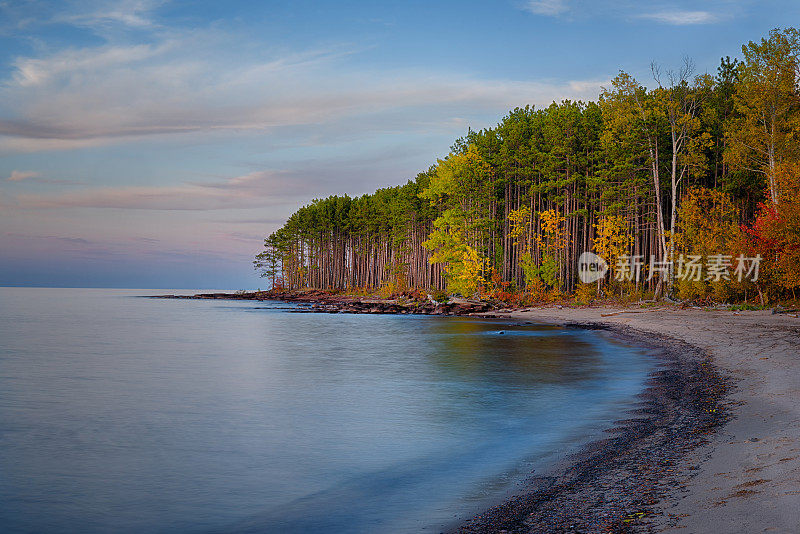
(154, 144)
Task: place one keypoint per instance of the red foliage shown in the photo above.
(760, 235)
(775, 235)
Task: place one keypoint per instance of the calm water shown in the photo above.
(127, 414)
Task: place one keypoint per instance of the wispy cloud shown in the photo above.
(103, 18)
(102, 95)
(38, 72)
(252, 190)
(546, 7)
(133, 248)
(242, 237)
(263, 221)
(132, 13)
(70, 240)
(676, 13)
(279, 190)
(18, 176)
(682, 18)
(36, 178)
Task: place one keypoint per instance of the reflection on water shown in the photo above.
(491, 351)
(126, 414)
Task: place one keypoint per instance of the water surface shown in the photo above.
(127, 414)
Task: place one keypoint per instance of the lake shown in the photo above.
(128, 414)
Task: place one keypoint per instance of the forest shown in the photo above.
(688, 189)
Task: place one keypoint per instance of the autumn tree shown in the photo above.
(775, 234)
(464, 265)
(764, 130)
(521, 232)
(458, 186)
(707, 222)
(611, 239)
(519, 202)
(552, 239)
(679, 99)
(634, 121)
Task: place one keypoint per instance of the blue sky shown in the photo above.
(154, 144)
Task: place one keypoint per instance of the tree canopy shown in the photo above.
(697, 164)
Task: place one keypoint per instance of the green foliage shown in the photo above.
(763, 131)
(458, 183)
(517, 203)
(439, 295)
(530, 269)
(546, 271)
(464, 266)
(268, 262)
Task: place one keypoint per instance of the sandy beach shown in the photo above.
(746, 478)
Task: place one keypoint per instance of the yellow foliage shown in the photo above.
(464, 266)
(585, 293)
(787, 179)
(706, 222)
(467, 271)
(611, 239)
(520, 227)
(553, 233)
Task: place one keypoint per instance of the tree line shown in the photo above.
(694, 166)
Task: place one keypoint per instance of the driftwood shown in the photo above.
(630, 311)
(781, 309)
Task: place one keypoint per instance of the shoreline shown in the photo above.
(613, 483)
(321, 301)
(745, 475)
(713, 447)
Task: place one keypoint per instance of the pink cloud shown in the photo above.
(18, 176)
(257, 189)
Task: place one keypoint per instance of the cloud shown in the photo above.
(256, 189)
(69, 240)
(18, 176)
(33, 72)
(189, 83)
(133, 248)
(682, 18)
(713, 10)
(35, 177)
(262, 221)
(103, 18)
(128, 13)
(546, 7)
(588, 87)
(241, 237)
(280, 190)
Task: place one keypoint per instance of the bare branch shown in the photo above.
(656, 70)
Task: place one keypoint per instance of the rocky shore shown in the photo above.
(316, 301)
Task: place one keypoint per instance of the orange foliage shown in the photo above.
(775, 234)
